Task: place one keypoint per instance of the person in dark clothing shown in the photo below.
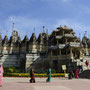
(70, 74)
(32, 80)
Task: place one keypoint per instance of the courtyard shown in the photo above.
(10, 83)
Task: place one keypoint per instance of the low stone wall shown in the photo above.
(85, 74)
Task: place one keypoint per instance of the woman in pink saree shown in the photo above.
(1, 75)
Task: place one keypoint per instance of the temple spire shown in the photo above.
(47, 31)
(6, 32)
(80, 36)
(33, 38)
(86, 33)
(34, 29)
(13, 26)
(43, 29)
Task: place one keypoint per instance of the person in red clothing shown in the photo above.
(87, 63)
(32, 80)
(77, 73)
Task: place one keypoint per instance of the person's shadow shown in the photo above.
(35, 82)
(22, 82)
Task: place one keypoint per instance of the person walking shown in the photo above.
(1, 75)
(70, 74)
(49, 75)
(77, 73)
(32, 80)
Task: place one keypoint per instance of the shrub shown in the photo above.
(36, 75)
(10, 70)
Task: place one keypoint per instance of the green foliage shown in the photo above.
(17, 74)
(11, 70)
(36, 75)
(53, 71)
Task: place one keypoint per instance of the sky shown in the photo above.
(31, 15)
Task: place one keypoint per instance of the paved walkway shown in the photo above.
(55, 84)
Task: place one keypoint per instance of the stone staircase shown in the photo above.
(10, 60)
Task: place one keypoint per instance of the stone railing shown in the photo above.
(53, 47)
(59, 37)
(61, 45)
(69, 35)
(69, 56)
(74, 44)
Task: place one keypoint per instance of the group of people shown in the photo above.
(32, 80)
(74, 74)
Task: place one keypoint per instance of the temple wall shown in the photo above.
(23, 49)
(5, 50)
(28, 51)
(0, 49)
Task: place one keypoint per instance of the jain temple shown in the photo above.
(61, 47)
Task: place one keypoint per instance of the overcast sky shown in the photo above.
(30, 14)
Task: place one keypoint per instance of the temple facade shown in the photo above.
(61, 47)
(67, 49)
(23, 53)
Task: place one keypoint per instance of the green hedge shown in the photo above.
(11, 69)
(36, 75)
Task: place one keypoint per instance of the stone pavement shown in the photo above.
(55, 84)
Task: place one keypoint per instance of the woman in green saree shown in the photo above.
(49, 75)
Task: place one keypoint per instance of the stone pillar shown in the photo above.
(59, 65)
(51, 63)
(87, 50)
(60, 52)
(51, 53)
(81, 56)
(10, 49)
(57, 42)
(71, 53)
(55, 33)
(63, 32)
(66, 41)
